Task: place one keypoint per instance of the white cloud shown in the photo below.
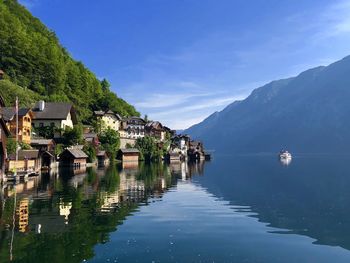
(181, 117)
(167, 100)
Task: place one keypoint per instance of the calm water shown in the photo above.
(232, 209)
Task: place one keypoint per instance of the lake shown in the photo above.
(249, 208)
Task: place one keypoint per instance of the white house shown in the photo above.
(133, 128)
(54, 114)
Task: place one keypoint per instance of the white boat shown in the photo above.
(285, 155)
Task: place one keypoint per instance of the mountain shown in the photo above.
(36, 63)
(309, 113)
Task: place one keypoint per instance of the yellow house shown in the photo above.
(108, 119)
(24, 122)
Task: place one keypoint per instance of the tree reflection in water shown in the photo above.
(60, 217)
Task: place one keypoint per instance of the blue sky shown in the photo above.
(181, 60)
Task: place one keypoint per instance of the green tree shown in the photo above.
(45, 131)
(128, 146)
(110, 141)
(149, 150)
(73, 136)
(25, 146)
(58, 149)
(90, 151)
(11, 146)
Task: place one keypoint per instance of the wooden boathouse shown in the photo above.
(75, 158)
(28, 161)
(129, 155)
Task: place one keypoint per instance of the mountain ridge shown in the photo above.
(305, 113)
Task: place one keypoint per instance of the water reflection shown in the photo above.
(166, 213)
(64, 215)
(285, 162)
(309, 198)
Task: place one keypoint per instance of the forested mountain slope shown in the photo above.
(32, 58)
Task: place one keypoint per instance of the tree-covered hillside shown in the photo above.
(32, 58)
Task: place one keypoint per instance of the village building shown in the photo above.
(43, 145)
(169, 131)
(25, 116)
(155, 129)
(54, 114)
(133, 128)
(102, 158)
(196, 151)
(180, 143)
(128, 155)
(28, 161)
(4, 134)
(46, 149)
(75, 158)
(108, 119)
(91, 138)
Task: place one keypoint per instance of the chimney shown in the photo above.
(41, 105)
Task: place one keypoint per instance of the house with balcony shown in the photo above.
(155, 129)
(133, 128)
(25, 116)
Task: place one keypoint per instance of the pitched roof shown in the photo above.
(99, 112)
(130, 150)
(41, 141)
(102, 113)
(8, 113)
(118, 116)
(114, 114)
(154, 125)
(101, 153)
(25, 154)
(54, 111)
(76, 153)
(135, 119)
(90, 135)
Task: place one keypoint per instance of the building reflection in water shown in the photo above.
(184, 170)
(77, 202)
(65, 208)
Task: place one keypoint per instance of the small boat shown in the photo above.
(285, 155)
